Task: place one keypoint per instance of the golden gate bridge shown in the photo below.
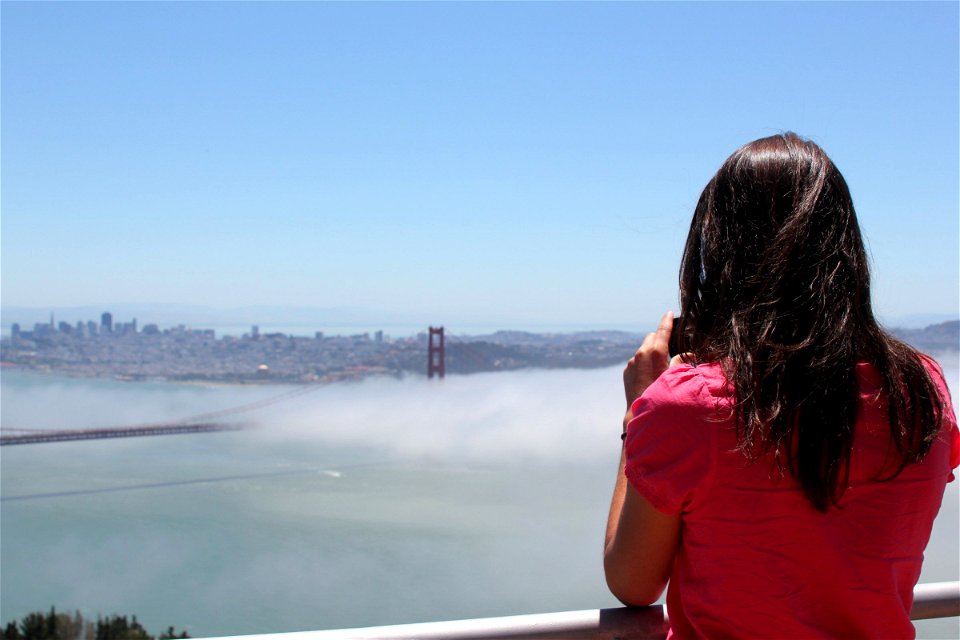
(206, 422)
(200, 423)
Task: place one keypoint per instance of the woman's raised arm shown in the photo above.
(640, 541)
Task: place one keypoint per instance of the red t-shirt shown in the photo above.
(755, 559)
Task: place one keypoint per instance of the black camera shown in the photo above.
(673, 348)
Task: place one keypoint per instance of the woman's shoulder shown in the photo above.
(872, 381)
(686, 385)
(869, 371)
(872, 387)
(706, 377)
(936, 374)
(672, 440)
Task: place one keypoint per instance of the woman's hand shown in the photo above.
(650, 360)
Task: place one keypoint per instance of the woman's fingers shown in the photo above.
(658, 342)
(649, 361)
(664, 330)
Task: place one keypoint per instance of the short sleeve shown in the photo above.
(670, 443)
(951, 432)
(948, 428)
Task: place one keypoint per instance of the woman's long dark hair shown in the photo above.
(775, 286)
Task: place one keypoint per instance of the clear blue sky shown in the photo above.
(505, 163)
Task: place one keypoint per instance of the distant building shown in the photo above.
(64, 327)
(378, 337)
(15, 331)
(106, 322)
(255, 331)
(42, 329)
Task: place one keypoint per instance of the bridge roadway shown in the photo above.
(35, 437)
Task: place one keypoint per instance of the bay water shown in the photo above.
(377, 502)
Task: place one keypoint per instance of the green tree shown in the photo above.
(62, 626)
(118, 628)
(39, 626)
(11, 632)
(73, 628)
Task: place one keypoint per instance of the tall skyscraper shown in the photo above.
(106, 322)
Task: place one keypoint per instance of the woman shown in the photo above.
(784, 473)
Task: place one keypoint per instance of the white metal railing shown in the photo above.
(933, 600)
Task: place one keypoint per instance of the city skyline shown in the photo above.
(499, 164)
(306, 321)
(114, 348)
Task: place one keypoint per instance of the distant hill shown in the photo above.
(934, 338)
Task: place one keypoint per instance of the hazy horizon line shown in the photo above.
(291, 315)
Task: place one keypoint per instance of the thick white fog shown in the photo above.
(538, 414)
(554, 414)
(545, 415)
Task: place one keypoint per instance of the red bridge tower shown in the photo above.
(435, 357)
